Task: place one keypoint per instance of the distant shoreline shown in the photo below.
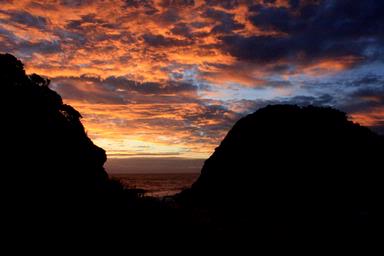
(153, 165)
(153, 173)
(157, 184)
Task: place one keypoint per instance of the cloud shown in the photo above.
(161, 41)
(75, 3)
(158, 115)
(24, 18)
(369, 79)
(327, 29)
(177, 3)
(172, 76)
(185, 129)
(366, 105)
(43, 47)
(120, 90)
(226, 4)
(88, 20)
(11, 43)
(182, 29)
(226, 23)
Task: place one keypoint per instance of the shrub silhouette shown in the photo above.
(286, 167)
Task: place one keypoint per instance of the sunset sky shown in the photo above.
(170, 77)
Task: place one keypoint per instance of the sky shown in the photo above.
(169, 78)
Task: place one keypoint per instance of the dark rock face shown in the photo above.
(295, 166)
(48, 160)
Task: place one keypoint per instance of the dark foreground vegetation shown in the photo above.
(284, 173)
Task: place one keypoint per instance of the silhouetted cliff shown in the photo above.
(292, 168)
(53, 180)
(50, 167)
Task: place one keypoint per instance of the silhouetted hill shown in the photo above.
(286, 168)
(51, 170)
(39, 128)
(53, 180)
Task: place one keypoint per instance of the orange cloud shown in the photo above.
(172, 51)
(181, 129)
(373, 117)
(329, 66)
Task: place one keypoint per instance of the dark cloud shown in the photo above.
(374, 96)
(330, 18)
(44, 47)
(346, 84)
(210, 122)
(226, 20)
(162, 41)
(329, 29)
(199, 24)
(146, 5)
(75, 3)
(89, 19)
(181, 29)
(280, 68)
(7, 39)
(185, 30)
(89, 31)
(257, 48)
(294, 3)
(302, 100)
(149, 87)
(177, 3)
(227, 4)
(119, 90)
(86, 89)
(277, 83)
(202, 119)
(25, 18)
(269, 1)
(70, 37)
(9, 42)
(369, 79)
(170, 16)
(138, 3)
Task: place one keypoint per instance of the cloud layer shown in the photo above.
(169, 77)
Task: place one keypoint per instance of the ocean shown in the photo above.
(159, 184)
